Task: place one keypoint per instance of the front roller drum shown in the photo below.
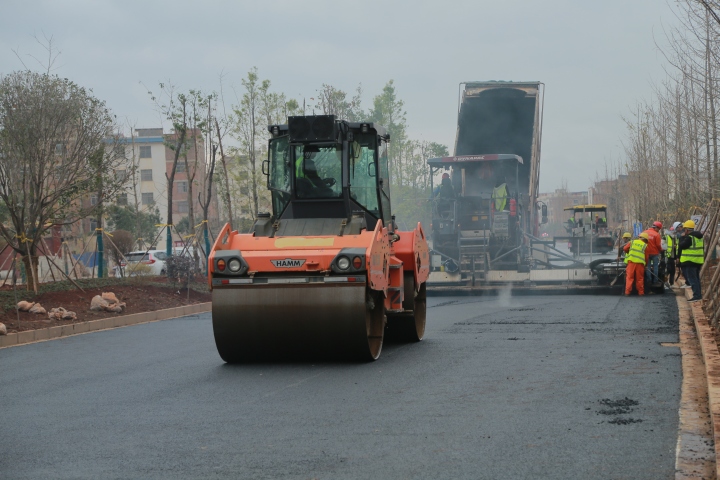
(276, 322)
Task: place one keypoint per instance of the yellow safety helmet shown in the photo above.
(644, 235)
(627, 235)
(689, 224)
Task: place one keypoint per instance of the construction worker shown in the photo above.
(309, 183)
(624, 240)
(636, 258)
(500, 194)
(653, 250)
(570, 225)
(671, 252)
(692, 257)
(446, 188)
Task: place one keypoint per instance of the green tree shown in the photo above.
(141, 224)
(58, 145)
(388, 111)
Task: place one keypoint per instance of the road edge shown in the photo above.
(711, 359)
(60, 331)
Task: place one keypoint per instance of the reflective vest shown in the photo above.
(670, 251)
(299, 172)
(636, 254)
(694, 253)
(499, 195)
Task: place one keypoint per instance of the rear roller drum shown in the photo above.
(410, 325)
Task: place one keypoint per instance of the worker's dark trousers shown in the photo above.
(652, 266)
(692, 275)
(671, 270)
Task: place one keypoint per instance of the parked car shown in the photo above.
(152, 262)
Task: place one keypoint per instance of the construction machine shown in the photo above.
(326, 273)
(587, 230)
(486, 214)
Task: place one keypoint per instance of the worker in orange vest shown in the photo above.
(654, 249)
(636, 257)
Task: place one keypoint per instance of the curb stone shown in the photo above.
(51, 333)
(711, 359)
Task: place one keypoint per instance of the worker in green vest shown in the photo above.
(692, 257)
(635, 260)
(500, 195)
(309, 184)
(671, 251)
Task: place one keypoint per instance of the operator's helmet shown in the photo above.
(626, 235)
(689, 224)
(657, 225)
(644, 235)
(675, 226)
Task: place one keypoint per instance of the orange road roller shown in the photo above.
(326, 274)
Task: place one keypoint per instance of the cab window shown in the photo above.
(385, 177)
(364, 173)
(279, 174)
(318, 171)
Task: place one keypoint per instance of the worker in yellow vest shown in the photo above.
(692, 257)
(636, 258)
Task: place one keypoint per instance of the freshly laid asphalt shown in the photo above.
(501, 388)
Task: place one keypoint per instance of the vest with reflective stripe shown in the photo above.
(670, 251)
(694, 253)
(636, 254)
(299, 172)
(499, 196)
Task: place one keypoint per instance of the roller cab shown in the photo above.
(326, 273)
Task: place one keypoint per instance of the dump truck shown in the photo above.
(486, 214)
(326, 273)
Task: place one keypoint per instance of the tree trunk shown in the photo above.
(228, 203)
(171, 178)
(31, 270)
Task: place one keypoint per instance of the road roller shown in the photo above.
(326, 274)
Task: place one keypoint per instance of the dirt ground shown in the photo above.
(138, 298)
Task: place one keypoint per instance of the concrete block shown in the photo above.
(8, 340)
(67, 330)
(42, 334)
(54, 332)
(81, 327)
(25, 337)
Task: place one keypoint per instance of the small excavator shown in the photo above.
(326, 273)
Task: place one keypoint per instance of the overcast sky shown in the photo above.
(597, 58)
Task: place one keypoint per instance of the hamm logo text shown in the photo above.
(288, 263)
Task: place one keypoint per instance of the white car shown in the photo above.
(153, 262)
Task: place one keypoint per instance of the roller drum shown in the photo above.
(273, 322)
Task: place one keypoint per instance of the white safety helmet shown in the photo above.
(675, 226)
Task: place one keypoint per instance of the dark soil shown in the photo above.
(139, 295)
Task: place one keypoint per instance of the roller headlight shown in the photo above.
(343, 263)
(234, 265)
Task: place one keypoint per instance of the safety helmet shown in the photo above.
(626, 235)
(675, 226)
(689, 224)
(644, 235)
(445, 175)
(657, 224)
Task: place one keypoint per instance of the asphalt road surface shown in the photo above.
(523, 387)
